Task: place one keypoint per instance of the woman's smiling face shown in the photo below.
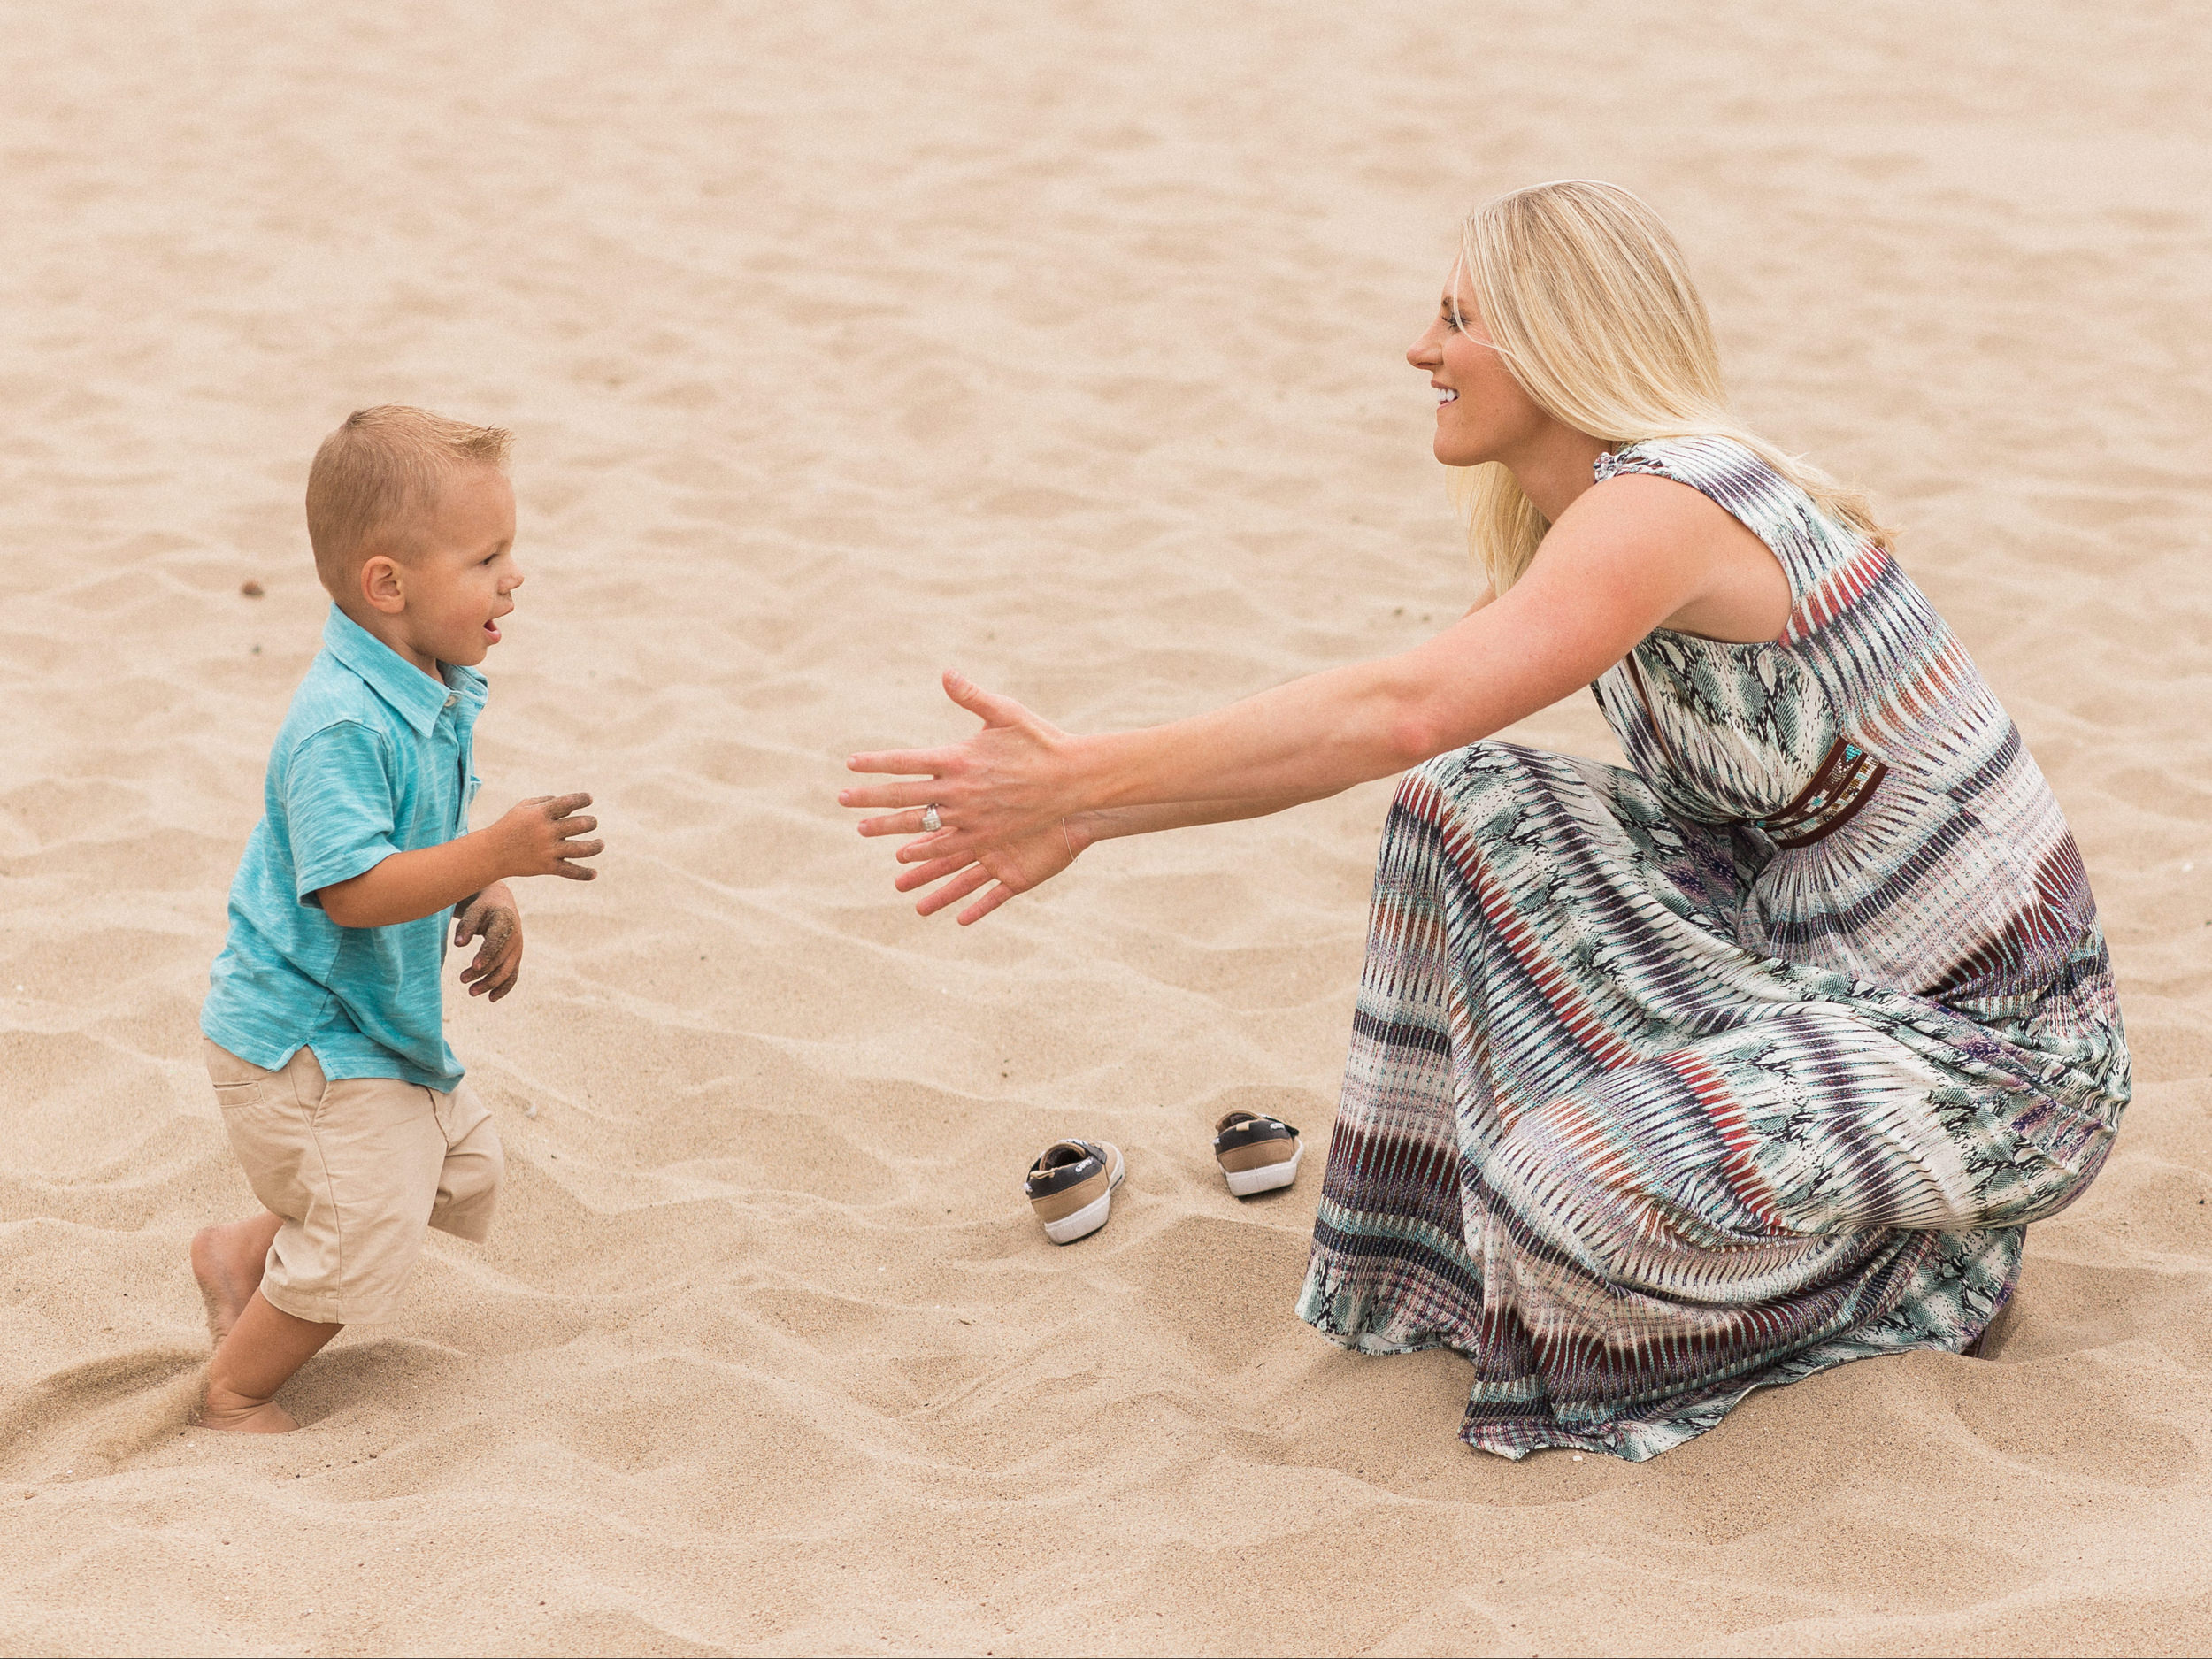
(1482, 413)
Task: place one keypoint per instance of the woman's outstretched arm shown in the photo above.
(1017, 869)
(1626, 557)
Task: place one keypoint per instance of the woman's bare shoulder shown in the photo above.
(1734, 588)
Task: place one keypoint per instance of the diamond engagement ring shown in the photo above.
(930, 822)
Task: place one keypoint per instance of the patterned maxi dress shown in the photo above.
(1673, 1083)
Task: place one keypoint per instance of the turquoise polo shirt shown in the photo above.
(374, 758)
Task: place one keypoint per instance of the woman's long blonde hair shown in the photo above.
(1590, 303)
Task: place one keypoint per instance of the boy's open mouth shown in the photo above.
(491, 632)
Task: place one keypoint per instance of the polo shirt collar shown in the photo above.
(416, 697)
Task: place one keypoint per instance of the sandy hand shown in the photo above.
(493, 917)
(538, 837)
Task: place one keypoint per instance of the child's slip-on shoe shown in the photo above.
(1258, 1153)
(1071, 1186)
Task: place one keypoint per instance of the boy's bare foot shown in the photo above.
(259, 1355)
(228, 1261)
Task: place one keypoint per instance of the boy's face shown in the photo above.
(440, 603)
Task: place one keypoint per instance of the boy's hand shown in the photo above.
(492, 916)
(538, 837)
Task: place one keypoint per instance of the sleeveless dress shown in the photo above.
(1672, 1083)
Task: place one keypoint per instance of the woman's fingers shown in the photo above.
(946, 843)
(906, 822)
(927, 761)
(985, 905)
(938, 855)
(935, 870)
(955, 890)
(895, 794)
(986, 706)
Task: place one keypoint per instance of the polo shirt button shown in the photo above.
(450, 701)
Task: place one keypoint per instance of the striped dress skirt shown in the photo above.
(1630, 1169)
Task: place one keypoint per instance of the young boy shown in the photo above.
(325, 1032)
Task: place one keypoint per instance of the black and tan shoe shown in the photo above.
(1258, 1153)
(1071, 1186)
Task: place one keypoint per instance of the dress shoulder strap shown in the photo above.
(1810, 545)
(1854, 617)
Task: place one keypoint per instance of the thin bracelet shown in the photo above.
(1068, 839)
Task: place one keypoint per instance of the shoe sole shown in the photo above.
(1267, 1177)
(1092, 1217)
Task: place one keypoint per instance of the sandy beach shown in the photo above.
(1061, 343)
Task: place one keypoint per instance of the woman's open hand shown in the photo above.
(1015, 868)
(1002, 788)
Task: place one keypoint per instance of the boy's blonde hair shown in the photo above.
(1591, 306)
(377, 471)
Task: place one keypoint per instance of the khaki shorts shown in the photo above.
(357, 1169)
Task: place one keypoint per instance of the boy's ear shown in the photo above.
(382, 585)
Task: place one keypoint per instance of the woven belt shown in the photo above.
(1839, 787)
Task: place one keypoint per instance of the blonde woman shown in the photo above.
(1669, 1083)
